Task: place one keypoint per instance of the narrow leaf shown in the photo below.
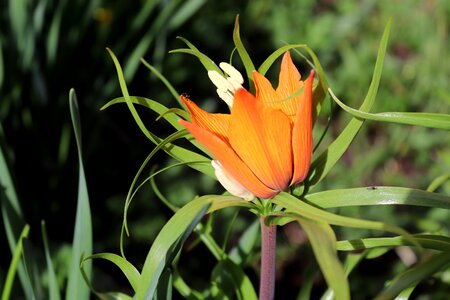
(82, 237)
(53, 289)
(378, 195)
(246, 60)
(325, 161)
(323, 242)
(432, 120)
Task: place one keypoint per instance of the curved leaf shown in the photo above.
(243, 54)
(433, 120)
(325, 161)
(125, 266)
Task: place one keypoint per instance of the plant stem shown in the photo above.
(268, 250)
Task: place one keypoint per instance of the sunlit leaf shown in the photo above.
(53, 289)
(243, 54)
(378, 195)
(433, 120)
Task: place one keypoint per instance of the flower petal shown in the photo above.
(216, 123)
(230, 183)
(261, 136)
(230, 161)
(302, 133)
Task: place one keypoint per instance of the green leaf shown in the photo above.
(230, 276)
(378, 195)
(414, 275)
(53, 289)
(325, 161)
(172, 236)
(432, 120)
(427, 241)
(437, 182)
(302, 209)
(13, 220)
(323, 242)
(246, 244)
(7, 287)
(130, 272)
(164, 288)
(243, 54)
(207, 62)
(82, 237)
(185, 291)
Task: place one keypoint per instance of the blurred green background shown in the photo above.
(48, 47)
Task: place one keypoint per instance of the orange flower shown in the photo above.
(265, 144)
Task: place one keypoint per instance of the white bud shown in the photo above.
(231, 184)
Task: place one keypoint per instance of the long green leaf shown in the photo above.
(378, 195)
(173, 235)
(7, 287)
(419, 272)
(82, 237)
(243, 54)
(325, 161)
(298, 207)
(323, 242)
(427, 241)
(433, 120)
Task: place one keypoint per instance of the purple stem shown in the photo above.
(268, 250)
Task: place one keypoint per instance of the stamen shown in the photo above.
(226, 96)
(232, 72)
(219, 81)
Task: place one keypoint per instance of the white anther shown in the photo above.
(236, 85)
(226, 96)
(231, 184)
(219, 81)
(232, 72)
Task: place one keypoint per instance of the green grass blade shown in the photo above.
(427, 241)
(243, 54)
(185, 12)
(77, 289)
(15, 262)
(325, 161)
(379, 195)
(437, 182)
(173, 235)
(414, 275)
(185, 291)
(323, 242)
(432, 120)
(246, 244)
(53, 289)
(13, 220)
(165, 286)
(205, 60)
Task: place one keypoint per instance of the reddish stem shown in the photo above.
(268, 250)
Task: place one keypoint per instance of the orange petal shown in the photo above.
(264, 90)
(216, 123)
(302, 134)
(229, 160)
(261, 136)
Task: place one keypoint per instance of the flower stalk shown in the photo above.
(268, 257)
